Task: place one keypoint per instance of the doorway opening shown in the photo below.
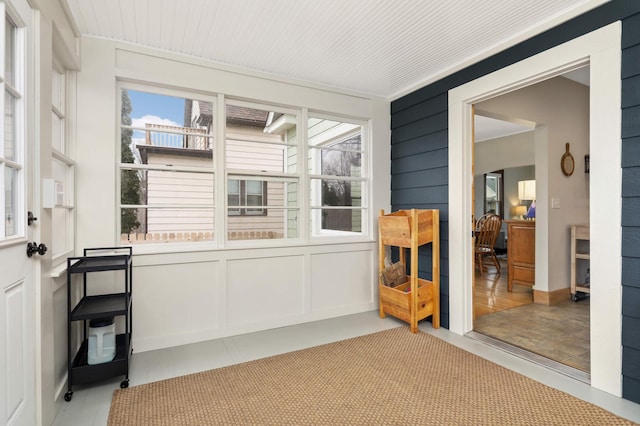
(599, 49)
(551, 327)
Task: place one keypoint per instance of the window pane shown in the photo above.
(255, 192)
(9, 127)
(61, 172)
(9, 55)
(274, 220)
(61, 221)
(10, 203)
(324, 132)
(233, 195)
(62, 217)
(168, 225)
(158, 187)
(233, 186)
(339, 193)
(336, 148)
(254, 187)
(260, 140)
(335, 192)
(292, 223)
(57, 90)
(342, 220)
(57, 132)
(185, 195)
(166, 155)
(341, 163)
(160, 129)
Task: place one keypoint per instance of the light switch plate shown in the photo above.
(555, 203)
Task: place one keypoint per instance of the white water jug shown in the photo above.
(102, 341)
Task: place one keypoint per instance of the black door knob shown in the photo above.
(33, 248)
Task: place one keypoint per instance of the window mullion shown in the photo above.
(243, 196)
(304, 186)
(220, 177)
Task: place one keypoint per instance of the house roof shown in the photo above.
(246, 116)
(236, 115)
(378, 47)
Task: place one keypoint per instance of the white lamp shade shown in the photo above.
(527, 190)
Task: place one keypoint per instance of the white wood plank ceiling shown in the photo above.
(377, 47)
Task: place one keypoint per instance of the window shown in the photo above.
(166, 167)
(12, 145)
(62, 167)
(493, 190)
(245, 193)
(261, 162)
(178, 183)
(336, 176)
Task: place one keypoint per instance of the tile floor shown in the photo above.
(555, 336)
(90, 404)
(561, 331)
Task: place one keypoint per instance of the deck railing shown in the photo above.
(177, 137)
(175, 237)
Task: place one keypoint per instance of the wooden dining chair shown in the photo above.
(486, 235)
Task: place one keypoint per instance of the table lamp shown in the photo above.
(527, 191)
(519, 211)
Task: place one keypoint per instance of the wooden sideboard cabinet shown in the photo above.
(521, 252)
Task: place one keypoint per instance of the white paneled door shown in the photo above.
(17, 290)
(17, 337)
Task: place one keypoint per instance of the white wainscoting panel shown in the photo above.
(264, 289)
(184, 298)
(174, 304)
(14, 351)
(341, 279)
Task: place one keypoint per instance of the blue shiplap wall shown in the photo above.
(631, 207)
(419, 163)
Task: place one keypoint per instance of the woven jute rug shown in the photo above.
(390, 377)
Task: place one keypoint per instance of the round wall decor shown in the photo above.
(567, 164)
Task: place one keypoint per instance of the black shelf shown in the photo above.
(99, 263)
(84, 373)
(103, 305)
(99, 306)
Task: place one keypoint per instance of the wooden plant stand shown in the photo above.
(417, 298)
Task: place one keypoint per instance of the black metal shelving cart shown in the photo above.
(99, 306)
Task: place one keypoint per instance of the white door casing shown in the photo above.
(599, 49)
